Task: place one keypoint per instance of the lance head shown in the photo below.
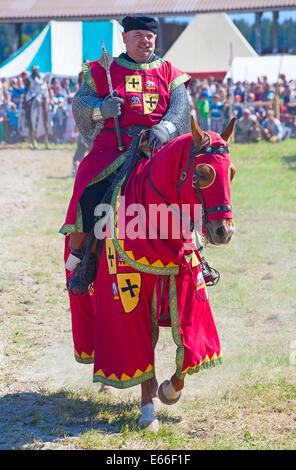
(106, 59)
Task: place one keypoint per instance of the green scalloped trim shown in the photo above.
(134, 264)
(153, 318)
(178, 81)
(125, 383)
(204, 365)
(175, 326)
(84, 360)
(131, 65)
(177, 338)
(109, 169)
(87, 76)
(78, 226)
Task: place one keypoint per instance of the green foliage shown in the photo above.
(286, 33)
(8, 37)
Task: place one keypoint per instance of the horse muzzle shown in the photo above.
(220, 231)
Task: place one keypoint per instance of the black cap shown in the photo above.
(140, 21)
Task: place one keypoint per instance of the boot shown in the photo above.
(84, 273)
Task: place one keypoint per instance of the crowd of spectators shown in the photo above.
(263, 111)
(60, 96)
(213, 103)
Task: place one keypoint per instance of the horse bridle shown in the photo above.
(193, 152)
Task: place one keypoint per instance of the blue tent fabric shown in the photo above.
(42, 59)
(61, 47)
(91, 32)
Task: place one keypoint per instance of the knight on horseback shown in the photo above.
(150, 93)
(34, 121)
(141, 284)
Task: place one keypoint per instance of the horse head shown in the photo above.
(213, 173)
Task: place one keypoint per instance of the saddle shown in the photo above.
(81, 278)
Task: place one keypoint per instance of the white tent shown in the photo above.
(62, 46)
(250, 68)
(208, 45)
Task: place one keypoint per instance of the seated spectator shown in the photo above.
(203, 110)
(212, 85)
(227, 111)
(12, 116)
(60, 122)
(267, 93)
(17, 92)
(66, 86)
(260, 111)
(237, 108)
(247, 128)
(1, 122)
(239, 90)
(258, 91)
(251, 97)
(285, 95)
(271, 128)
(216, 114)
(59, 92)
(71, 130)
(6, 107)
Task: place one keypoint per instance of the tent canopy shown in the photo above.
(250, 68)
(62, 46)
(208, 45)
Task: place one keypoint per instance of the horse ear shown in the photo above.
(197, 133)
(228, 131)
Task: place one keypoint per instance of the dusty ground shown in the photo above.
(258, 330)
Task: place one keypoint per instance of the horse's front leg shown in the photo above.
(149, 403)
(169, 391)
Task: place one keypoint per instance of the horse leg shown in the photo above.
(169, 391)
(32, 139)
(149, 402)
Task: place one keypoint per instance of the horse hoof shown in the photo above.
(149, 425)
(156, 404)
(105, 389)
(148, 420)
(163, 396)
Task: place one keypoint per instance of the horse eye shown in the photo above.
(205, 174)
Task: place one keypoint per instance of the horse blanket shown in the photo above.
(143, 284)
(34, 110)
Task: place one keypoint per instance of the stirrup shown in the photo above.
(211, 276)
(80, 280)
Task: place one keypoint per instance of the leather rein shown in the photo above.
(215, 149)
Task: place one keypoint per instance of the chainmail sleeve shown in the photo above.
(84, 102)
(179, 111)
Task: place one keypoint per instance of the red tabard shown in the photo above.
(146, 90)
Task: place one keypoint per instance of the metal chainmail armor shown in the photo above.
(86, 99)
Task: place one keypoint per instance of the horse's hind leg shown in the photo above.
(169, 391)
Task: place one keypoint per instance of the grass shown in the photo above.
(248, 403)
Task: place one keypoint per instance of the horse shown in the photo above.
(34, 118)
(149, 281)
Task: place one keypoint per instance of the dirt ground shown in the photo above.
(36, 351)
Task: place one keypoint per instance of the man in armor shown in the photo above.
(34, 117)
(150, 93)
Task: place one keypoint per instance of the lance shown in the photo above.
(106, 61)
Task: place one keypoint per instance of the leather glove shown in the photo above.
(161, 134)
(111, 106)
